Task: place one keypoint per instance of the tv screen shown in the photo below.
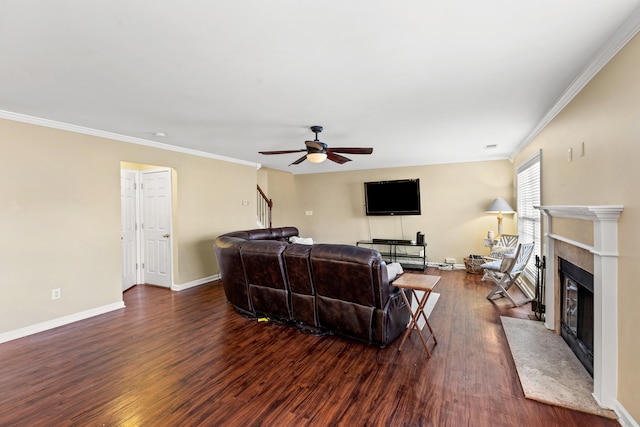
(399, 197)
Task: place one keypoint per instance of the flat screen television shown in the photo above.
(398, 197)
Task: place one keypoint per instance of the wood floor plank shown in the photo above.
(187, 358)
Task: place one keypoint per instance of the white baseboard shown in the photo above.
(60, 321)
(624, 418)
(445, 266)
(64, 320)
(194, 283)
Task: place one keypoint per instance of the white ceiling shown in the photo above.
(421, 81)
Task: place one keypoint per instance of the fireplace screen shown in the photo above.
(577, 312)
(571, 305)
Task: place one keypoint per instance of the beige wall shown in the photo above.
(60, 218)
(282, 191)
(606, 117)
(60, 206)
(454, 198)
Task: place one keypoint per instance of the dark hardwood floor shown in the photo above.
(188, 359)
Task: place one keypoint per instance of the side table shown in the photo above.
(417, 282)
(490, 243)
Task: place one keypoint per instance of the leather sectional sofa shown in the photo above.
(341, 289)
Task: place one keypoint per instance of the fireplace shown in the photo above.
(602, 249)
(576, 315)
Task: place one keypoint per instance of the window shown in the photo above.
(528, 194)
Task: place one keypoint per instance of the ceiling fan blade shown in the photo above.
(316, 145)
(300, 160)
(337, 158)
(351, 150)
(281, 152)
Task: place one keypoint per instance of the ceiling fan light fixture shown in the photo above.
(318, 151)
(317, 157)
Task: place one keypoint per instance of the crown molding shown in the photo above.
(17, 117)
(620, 38)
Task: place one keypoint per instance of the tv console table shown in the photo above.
(405, 257)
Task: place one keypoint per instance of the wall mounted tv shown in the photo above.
(399, 197)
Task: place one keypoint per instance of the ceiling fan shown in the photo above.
(318, 151)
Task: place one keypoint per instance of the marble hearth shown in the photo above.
(601, 259)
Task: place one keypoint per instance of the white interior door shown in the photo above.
(128, 236)
(156, 227)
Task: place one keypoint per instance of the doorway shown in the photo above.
(129, 184)
(146, 206)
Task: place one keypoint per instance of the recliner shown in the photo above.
(349, 288)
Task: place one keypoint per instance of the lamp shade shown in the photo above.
(500, 205)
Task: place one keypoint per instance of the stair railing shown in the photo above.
(264, 206)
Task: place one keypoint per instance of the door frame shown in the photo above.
(140, 255)
(143, 228)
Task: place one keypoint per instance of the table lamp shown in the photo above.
(499, 206)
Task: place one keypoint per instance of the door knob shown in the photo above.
(166, 235)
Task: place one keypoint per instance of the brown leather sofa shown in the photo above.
(341, 289)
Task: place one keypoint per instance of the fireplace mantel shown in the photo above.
(590, 213)
(605, 266)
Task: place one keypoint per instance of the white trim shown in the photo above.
(535, 158)
(605, 277)
(17, 117)
(60, 321)
(587, 213)
(195, 283)
(609, 49)
(443, 266)
(624, 417)
(571, 242)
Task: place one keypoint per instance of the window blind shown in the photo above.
(528, 196)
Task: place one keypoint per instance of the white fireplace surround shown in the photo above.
(605, 276)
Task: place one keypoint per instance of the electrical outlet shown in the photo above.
(55, 293)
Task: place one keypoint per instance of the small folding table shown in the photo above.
(417, 282)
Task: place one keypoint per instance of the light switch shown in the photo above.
(308, 213)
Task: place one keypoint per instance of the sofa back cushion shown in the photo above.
(265, 273)
(297, 259)
(303, 294)
(347, 280)
(349, 273)
(284, 233)
(236, 288)
(281, 234)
